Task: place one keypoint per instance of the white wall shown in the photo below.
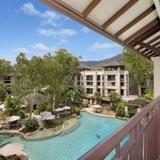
(156, 61)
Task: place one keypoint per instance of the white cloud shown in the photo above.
(61, 33)
(28, 8)
(48, 17)
(85, 30)
(36, 48)
(23, 50)
(39, 47)
(97, 46)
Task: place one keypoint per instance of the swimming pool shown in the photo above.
(71, 144)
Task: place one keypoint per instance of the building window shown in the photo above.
(90, 83)
(122, 83)
(89, 91)
(98, 83)
(98, 77)
(122, 77)
(111, 83)
(122, 92)
(89, 77)
(111, 68)
(111, 77)
(7, 79)
(78, 83)
(78, 77)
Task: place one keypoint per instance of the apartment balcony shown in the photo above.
(142, 133)
(122, 79)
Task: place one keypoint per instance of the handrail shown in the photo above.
(102, 149)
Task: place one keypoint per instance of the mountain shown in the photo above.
(99, 63)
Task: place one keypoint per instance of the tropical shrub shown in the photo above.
(3, 92)
(97, 96)
(50, 107)
(132, 112)
(148, 94)
(73, 97)
(21, 113)
(31, 124)
(120, 110)
(114, 99)
(75, 110)
(41, 108)
(12, 105)
(79, 95)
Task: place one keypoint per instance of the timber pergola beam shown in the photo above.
(133, 24)
(119, 13)
(149, 47)
(90, 7)
(142, 30)
(136, 20)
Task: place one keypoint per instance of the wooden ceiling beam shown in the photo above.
(156, 44)
(148, 53)
(146, 35)
(149, 47)
(154, 39)
(153, 54)
(145, 29)
(136, 20)
(90, 7)
(72, 13)
(119, 13)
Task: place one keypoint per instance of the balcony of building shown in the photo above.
(134, 24)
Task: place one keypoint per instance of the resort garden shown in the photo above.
(42, 100)
(42, 90)
(43, 96)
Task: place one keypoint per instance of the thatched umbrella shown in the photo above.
(14, 118)
(34, 98)
(14, 122)
(2, 107)
(97, 108)
(66, 108)
(47, 116)
(13, 149)
(59, 109)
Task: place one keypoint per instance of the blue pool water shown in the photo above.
(71, 144)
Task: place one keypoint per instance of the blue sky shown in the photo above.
(34, 28)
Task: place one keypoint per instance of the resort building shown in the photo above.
(110, 77)
(7, 79)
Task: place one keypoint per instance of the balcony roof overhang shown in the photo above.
(134, 24)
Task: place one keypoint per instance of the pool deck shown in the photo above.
(42, 134)
(89, 110)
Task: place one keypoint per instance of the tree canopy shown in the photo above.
(54, 72)
(139, 68)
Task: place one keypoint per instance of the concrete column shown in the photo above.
(157, 4)
(156, 61)
(94, 82)
(118, 80)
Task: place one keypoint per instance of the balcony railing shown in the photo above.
(143, 138)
